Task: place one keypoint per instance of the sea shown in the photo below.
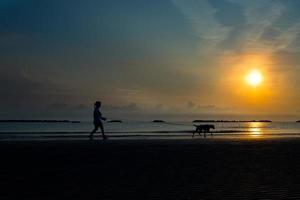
(145, 130)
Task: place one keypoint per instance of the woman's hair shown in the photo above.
(97, 103)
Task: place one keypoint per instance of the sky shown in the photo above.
(145, 59)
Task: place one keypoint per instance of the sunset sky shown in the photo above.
(150, 58)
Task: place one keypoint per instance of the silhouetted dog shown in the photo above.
(204, 128)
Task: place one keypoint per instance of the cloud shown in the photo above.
(66, 107)
(18, 89)
(243, 26)
(272, 25)
(21, 91)
(58, 106)
(228, 14)
(198, 108)
(131, 107)
(219, 23)
(190, 105)
(200, 14)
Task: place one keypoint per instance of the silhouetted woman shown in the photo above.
(98, 120)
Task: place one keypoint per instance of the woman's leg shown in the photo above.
(102, 131)
(94, 131)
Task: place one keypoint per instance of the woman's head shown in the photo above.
(97, 104)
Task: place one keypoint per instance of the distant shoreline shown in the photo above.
(120, 121)
(226, 121)
(39, 121)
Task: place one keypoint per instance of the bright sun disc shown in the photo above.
(254, 78)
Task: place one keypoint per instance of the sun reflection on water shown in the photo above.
(255, 132)
(255, 129)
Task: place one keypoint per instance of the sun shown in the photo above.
(254, 78)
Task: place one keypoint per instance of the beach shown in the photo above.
(151, 169)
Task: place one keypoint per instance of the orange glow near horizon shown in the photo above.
(248, 83)
(252, 84)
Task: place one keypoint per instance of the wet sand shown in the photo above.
(151, 169)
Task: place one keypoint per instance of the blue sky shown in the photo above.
(167, 57)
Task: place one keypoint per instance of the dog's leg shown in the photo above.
(193, 134)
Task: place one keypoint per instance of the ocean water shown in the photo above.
(145, 129)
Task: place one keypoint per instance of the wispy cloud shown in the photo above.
(264, 26)
(205, 26)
